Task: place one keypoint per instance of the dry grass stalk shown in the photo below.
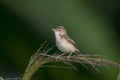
(42, 57)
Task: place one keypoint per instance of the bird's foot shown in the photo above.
(58, 57)
(68, 57)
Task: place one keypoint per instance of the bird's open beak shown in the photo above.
(53, 29)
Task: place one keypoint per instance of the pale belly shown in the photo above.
(65, 46)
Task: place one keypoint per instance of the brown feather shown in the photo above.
(69, 40)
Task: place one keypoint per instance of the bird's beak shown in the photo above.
(53, 29)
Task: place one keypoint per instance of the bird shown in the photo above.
(63, 42)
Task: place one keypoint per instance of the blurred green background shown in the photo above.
(25, 24)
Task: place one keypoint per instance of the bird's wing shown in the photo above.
(71, 41)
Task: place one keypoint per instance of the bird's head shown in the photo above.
(60, 30)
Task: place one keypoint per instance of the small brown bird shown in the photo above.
(64, 42)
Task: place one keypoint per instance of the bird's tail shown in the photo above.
(78, 52)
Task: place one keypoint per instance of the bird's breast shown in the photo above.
(64, 46)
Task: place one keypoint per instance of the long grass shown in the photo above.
(41, 57)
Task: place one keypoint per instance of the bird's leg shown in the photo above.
(69, 55)
(61, 55)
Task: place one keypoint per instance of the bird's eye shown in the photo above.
(59, 29)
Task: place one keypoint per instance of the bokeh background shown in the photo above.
(25, 24)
